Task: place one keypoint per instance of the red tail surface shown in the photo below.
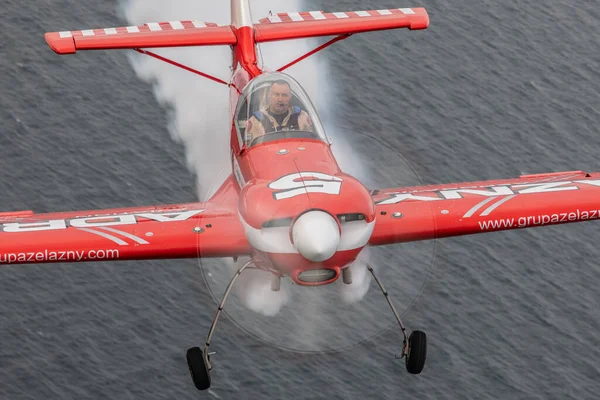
(282, 26)
(294, 25)
(153, 34)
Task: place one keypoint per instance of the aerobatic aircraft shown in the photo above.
(306, 219)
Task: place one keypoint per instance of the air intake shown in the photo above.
(316, 275)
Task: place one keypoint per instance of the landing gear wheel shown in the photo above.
(415, 347)
(198, 368)
(417, 352)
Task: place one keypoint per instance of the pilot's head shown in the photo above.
(280, 97)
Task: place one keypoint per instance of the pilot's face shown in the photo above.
(280, 97)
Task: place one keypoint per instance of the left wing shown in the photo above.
(428, 212)
(210, 229)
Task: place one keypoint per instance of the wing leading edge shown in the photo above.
(428, 212)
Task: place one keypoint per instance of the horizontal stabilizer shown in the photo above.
(294, 25)
(152, 34)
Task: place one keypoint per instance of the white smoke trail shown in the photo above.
(254, 289)
(198, 109)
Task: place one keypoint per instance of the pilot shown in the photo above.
(280, 115)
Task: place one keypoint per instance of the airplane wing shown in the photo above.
(210, 229)
(152, 34)
(295, 25)
(438, 211)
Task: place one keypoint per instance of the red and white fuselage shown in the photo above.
(300, 212)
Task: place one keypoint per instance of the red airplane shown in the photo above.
(286, 205)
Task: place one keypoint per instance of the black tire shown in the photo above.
(417, 352)
(198, 368)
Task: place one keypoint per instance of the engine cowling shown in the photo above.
(318, 228)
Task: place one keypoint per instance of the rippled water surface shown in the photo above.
(490, 90)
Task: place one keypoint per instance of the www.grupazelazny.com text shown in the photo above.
(539, 220)
(66, 256)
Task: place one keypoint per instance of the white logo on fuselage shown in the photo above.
(305, 182)
(499, 190)
(96, 221)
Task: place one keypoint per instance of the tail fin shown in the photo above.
(294, 25)
(154, 34)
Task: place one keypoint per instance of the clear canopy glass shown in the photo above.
(274, 106)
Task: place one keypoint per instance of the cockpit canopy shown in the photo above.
(274, 106)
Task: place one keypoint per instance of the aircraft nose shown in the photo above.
(316, 236)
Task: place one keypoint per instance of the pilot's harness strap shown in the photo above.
(292, 122)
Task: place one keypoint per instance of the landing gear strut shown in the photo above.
(414, 348)
(199, 360)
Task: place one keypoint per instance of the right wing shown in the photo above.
(456, 209)
(152, 34)
(195, 230)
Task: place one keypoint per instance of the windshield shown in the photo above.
(274, 106)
